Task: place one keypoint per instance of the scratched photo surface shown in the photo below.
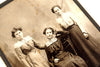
(33, 16)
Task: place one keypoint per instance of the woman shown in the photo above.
(26, 51)
(85, 47)
(56, 53)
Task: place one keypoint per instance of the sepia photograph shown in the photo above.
(48, 33)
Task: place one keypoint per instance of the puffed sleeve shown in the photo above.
(21, 57)
(75, 20)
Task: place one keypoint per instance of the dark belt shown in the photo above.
(71, 26)
(61, 55)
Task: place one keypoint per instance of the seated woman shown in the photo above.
(56, 55)
(26, 51)
(86, 46)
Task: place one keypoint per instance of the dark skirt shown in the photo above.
(67, 59)
(85, 47)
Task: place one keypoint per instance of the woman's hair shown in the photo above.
(52, 9)
(14, 30)
(44, 32)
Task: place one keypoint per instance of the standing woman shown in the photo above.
(79, 37)
(56, 53)
(27, 53)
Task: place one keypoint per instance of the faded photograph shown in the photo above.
(48, 33)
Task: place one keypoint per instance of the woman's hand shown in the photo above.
(56, 60)
(85, 35)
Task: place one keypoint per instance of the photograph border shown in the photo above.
(5, 3)
(2, 55)
(87, 14)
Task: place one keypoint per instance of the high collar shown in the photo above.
(51, 41)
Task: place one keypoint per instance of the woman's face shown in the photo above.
(57, 10)
(18, 34)
(49, 33)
